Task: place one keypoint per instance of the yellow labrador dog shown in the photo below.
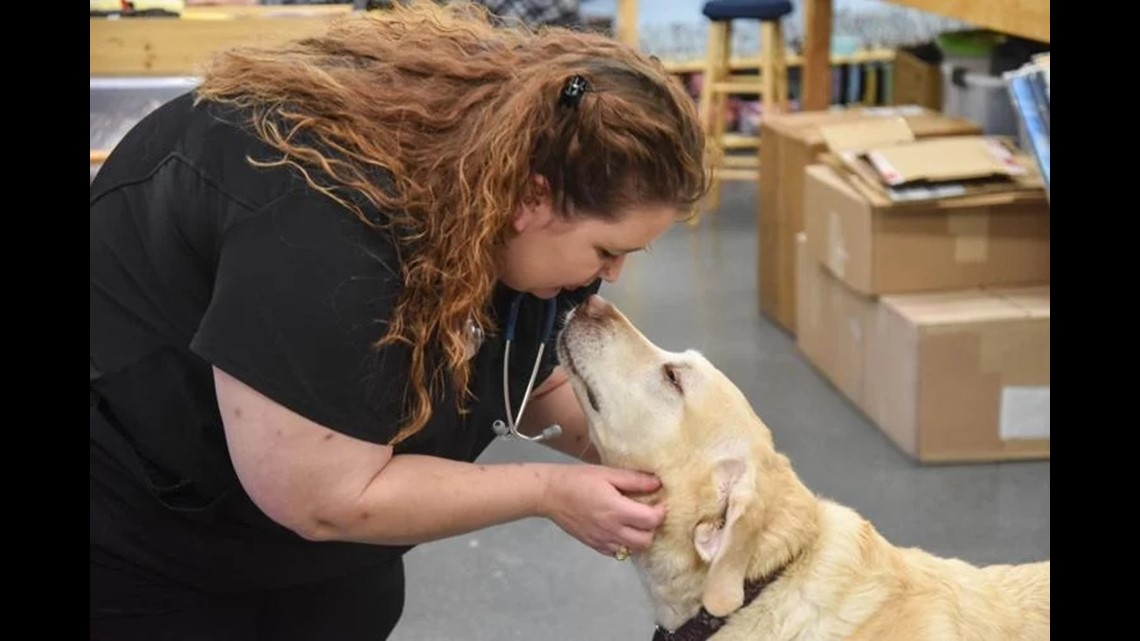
(746, 551)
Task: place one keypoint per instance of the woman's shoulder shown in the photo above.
(185, 146)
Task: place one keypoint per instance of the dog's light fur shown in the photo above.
(736, 510)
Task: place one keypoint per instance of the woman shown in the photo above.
(301, 280)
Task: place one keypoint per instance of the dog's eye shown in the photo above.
(673, 376)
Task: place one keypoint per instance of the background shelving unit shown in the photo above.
(1024, 18)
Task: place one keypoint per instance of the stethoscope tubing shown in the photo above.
(510, 428)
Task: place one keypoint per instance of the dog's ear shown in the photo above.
(721, 544)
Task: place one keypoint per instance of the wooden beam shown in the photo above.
(177, 46)
(816, 80)
(1025, 18)
(625, 29)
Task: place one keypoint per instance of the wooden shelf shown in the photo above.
(1024, 18)
(265, 11)
(178, 46)
(794, 60)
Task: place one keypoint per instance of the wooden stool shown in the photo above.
(719, 83)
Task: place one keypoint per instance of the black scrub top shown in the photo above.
(199, 258)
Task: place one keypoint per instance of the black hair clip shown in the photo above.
(572, 93)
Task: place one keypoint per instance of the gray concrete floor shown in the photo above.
(697, 288)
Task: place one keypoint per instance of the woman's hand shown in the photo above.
(590, 503)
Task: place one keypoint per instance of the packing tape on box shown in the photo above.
(971, 229)
(836, 248)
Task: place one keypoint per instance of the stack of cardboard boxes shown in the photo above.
(788, 144)
(921, 283)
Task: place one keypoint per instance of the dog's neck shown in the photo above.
(789, 529)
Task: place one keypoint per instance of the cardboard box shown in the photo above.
(884, 160)
(958, 376)
(788, 144)
(961, 376)
(917, 78)
(831, 322)
(879, 247)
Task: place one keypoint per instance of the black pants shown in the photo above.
(128, 604)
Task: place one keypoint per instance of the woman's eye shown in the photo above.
(606, 254)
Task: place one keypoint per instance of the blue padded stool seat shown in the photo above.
(763, 10)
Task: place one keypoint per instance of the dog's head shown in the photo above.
(677, 416)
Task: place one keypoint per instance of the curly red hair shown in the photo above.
(459, 113)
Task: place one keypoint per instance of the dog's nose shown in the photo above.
(597, 307)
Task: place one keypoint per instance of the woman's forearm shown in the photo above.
(326, 486)
(415, 499)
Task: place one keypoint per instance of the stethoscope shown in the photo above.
(510, 427)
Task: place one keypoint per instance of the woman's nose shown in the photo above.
(612, 270)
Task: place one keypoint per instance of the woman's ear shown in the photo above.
(537, 208)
